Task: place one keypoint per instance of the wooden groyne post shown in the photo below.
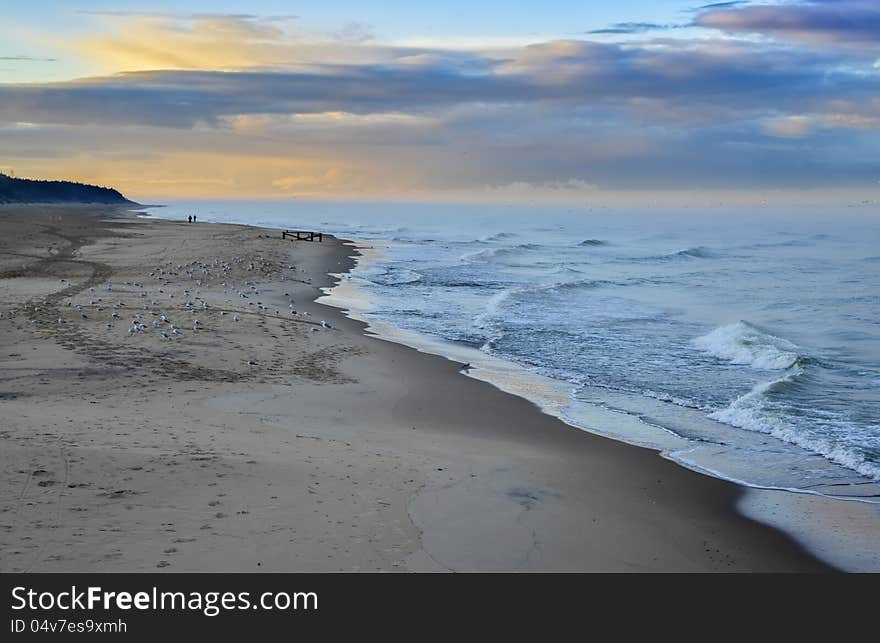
(302, 235)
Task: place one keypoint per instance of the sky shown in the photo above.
(630, 101)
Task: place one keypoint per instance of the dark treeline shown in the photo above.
(14, 190)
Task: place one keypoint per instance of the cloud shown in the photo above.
(355, 32)
(721, 5)
(28, 59)
(845, 22)
(791, 126)
(225, 42)
(149, 42)
(233, 105)
(632, 27)
(714, 77)
(191, 16)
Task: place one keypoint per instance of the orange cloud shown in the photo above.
(218, 43)
(222, 43)
(211, 175)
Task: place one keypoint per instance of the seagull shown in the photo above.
(166, 335)
(236, 318)
(325, 324)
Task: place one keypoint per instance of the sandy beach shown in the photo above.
(262, 440)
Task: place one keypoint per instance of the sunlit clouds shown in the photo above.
(743, 98)
(220, 43)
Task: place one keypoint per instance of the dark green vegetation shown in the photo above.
(13, 190)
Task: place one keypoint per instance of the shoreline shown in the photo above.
(434, 349)
(382, 457)
(782, 508)
(821, 534)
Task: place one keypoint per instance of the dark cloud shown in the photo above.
(847, 22)
(592, 74)
(721, 5)
(632, 27)
(648, 113)
(681, 73)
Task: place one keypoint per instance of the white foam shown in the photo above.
(750, 412)
(742, 343)
(493, 307)
(397, 276)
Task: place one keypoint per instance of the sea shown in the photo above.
(740, 342)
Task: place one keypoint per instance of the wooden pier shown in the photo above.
(302, 235)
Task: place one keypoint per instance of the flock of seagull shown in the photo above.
(169, 275)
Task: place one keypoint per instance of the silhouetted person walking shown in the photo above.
(189, 219)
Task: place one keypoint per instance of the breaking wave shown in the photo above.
(499, 236)
(753, 412)
(742, 343)
(698, 252)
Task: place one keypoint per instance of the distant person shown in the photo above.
(189, 219)
(194, 218)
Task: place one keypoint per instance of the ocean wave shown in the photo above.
(564, 269)
(493, 307)
(697, 252)
(751, 412)
(499, 236)
(492, 254)
(586, 284)
(461, 283)
(396, 277)
(400, 239)
(742, 343)
(593, 242)
(793, 243)
(587, 383)
(589, 284)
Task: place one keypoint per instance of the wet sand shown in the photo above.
(273, 443)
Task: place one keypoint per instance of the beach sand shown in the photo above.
(275, 444)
